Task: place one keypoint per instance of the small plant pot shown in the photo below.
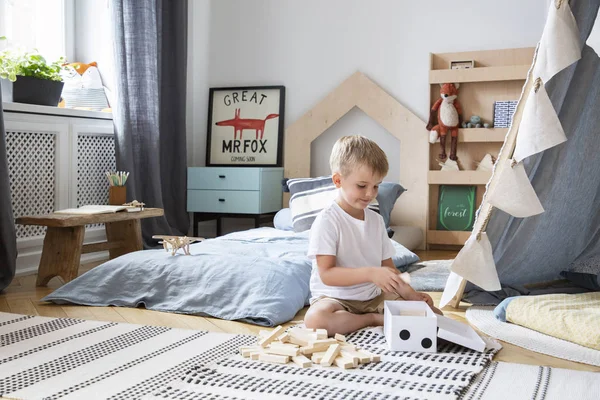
(29, 90)
(117, 195)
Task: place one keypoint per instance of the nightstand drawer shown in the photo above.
(224, 178)
(224, 201)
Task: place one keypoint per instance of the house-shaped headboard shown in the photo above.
(359, 91)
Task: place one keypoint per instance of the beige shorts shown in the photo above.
(374, 305)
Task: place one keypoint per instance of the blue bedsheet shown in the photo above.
(259, 276)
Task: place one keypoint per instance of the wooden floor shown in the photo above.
(22, 297)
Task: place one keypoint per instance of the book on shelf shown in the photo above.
(98, 209)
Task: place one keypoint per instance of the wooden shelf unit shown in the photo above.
(498, 75)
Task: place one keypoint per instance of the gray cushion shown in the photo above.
(310, 195)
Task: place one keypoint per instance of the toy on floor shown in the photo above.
(174, 243)
(448, 112)
(279, 346)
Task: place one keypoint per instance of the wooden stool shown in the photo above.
(63, 243)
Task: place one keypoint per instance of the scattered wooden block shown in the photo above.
(317, 357)
(364, 357)
(351, 355)
(322, 334)
(268, 339)
(281, 344)
(247, 350)
(255, 355)
(283, 351)
(344, 363)
(284, 338)
(340, 338)
(302, 361)
(274, 358)
(330, 355)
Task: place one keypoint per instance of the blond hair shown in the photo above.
(350, 152)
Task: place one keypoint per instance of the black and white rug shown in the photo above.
(52, 358)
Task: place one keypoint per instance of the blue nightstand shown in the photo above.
(233, 192)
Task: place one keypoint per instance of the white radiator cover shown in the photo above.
(56, 162)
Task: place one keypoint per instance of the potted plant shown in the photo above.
(26, 77)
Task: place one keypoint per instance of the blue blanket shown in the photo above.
(259, 276)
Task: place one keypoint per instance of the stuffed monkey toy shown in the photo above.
(448, 117)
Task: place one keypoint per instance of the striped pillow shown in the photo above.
(309, 196)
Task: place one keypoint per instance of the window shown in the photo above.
(45, 25)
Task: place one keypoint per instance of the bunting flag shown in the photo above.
(452, 287)
(594, 39)
(476, 261)
(559, 46)
(540, 127)
(513, 192)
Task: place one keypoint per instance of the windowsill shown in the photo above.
(48, 110)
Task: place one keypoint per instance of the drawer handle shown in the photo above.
(221, 200)
(222, 176)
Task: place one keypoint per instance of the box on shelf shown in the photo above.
(412, 326)
(503, 113)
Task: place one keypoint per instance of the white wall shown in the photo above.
(312, 46)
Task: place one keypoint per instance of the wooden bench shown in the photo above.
(63, 243)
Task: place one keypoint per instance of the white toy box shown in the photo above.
(413, 326)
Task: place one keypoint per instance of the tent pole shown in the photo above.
(506, 153)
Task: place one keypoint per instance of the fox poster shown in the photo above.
(245, 126)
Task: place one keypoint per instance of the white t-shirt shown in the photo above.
(355, 243)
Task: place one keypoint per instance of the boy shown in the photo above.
(350, 249)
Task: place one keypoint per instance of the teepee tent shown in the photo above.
(541, 209)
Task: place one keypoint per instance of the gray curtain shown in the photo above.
(150, 59)
(566, 179)
(8, 238)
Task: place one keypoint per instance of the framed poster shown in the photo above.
(245, 126)
(456, 208)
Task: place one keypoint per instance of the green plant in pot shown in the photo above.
(28, 78)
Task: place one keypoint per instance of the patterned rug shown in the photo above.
(52, 358)
(503, 381)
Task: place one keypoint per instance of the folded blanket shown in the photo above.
(572, 317)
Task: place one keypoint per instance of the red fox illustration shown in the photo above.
(239, 124)
(449, 112)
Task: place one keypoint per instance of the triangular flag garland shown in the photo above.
(513, 192)
(540, 127)
(476, 261)
(559, 46)
(594, 39)
(452, 287)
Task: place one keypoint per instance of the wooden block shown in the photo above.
(286, 345)
(284, 338)
(320, 345)
(322, 334)
(375, 358)
(256, 354)
(364, 357)
(302, 361)
(245, 352)
(348, 346)
(283, 351)
(330, 355)
(340, 338)
(344, 363)
(351, 355)
(274, 358)
(268, 339)
(317, 357)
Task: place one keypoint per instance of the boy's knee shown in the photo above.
(316, 320)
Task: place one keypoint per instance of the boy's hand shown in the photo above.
(389, 281)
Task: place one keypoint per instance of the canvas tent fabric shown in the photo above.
(566, 179)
